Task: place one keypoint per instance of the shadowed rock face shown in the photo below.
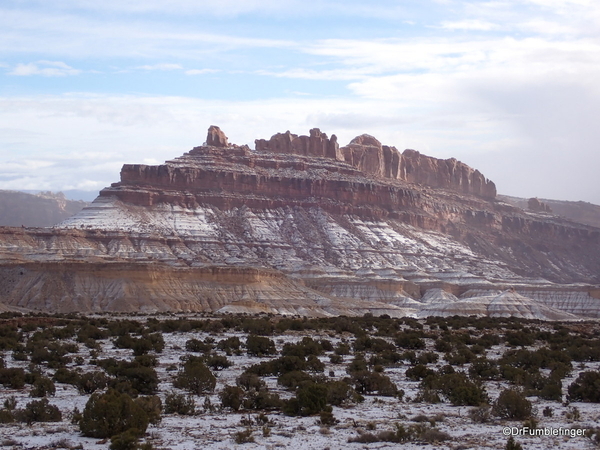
(303, 226)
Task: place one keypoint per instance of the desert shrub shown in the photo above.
(66, 376)
(230, 345)
(153, 407)
(520, 338)
(443, 346)
(428, 358)
(13, 378)
(457, 388)
(42, 387)
(340, 392)
(179, 404)
(106, 415)
(141, 345)
(285, 364)
(403, 434)
(480, 414)
(314, 364)
(10, 403)
(593, 434)
(146, 360)
(260, 346)
(218, 362)
(90, 382)
(586, 388)
(198, 346)
(488, 340)
(6, 416)
(409, 356)
(243, 437)
(38, 411)
(127, 440)
(326, 417)
(551, 389)
(264, 368)
(131, 376)
(410, 340)
(307, 346)
(9, 337)
(261, 326)
(311, 398)
(293, 379)
(385, 358)
(418, 372)
(232, 397)
(52, 353)
(262, 400)
(195, 377)
(249, 381)
(375, 345)
(90, 332)
(336, 359)
(358, 364)
(484, 369)
(122, 327)
(512, 404)
(460, 357)
(366, 382)
(342, 349)
(511, 444)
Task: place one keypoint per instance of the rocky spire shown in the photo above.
(216, 137)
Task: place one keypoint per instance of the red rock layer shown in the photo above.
(368, 155)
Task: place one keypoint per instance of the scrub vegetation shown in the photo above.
(128, 378)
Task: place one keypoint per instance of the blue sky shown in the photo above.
(509, 87)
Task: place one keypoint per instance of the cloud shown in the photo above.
(44, 68)
(474, 24)
(200, 71)
(161, 66)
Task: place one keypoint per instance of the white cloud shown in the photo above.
(78, 36)
(473, 24)
(200, 71)
(44, 68)
(161, 66)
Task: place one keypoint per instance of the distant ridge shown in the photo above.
(44, 209)
(582, 212)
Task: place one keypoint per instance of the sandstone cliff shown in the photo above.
(301, 225)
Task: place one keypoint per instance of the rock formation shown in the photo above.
(369, 156)
(534, 204)
(216, 138)
(302, 226)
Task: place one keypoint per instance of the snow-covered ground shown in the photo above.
(215, 429)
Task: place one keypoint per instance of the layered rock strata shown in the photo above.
(303, 226)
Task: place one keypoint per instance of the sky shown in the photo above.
(511, 88)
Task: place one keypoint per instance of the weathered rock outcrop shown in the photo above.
(447, 174)
(302, 226)
(534, 204)
(369, 156)
(216, 138)
(317, 144)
